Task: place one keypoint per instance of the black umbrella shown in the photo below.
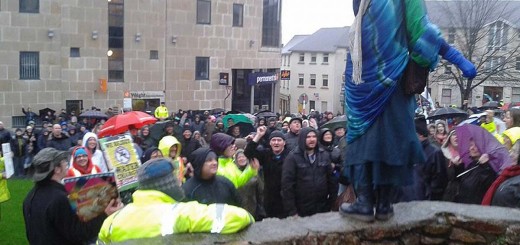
(265, 114)
(44, 111)
(245, 128)
(337, 122)
(491, 105)
(94, 114)
(157, 130)
(447, 112)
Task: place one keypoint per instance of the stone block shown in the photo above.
(465, 236)
(29, 98)
(13, 98)
(21, 86)
(426, 240)
(37, 86)
(54, 85)
(10, 34)
(437, 229)
(410, 238)
(482, 227)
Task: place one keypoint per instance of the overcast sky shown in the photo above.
(307, 16)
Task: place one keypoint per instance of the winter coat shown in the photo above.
(508, 193)
(97, 156)
(189, 146)
(164, 146)
(291, 140)
(63, 143)
(19, 146)
(215, 190)
(272, 175)
(5, 136)
(49, 219)
(201, 126)
(473, 185)
(308, 188)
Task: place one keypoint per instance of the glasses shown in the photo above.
(81, 156)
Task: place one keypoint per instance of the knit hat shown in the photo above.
(79, 151)
(220, 141)
(277, 133)
(157, 174)
(421, 127)
(45, 161)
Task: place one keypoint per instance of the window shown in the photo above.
(497, 38)
(116, 54)
(325, 80)
(204, 12)
(271, 23)
(446, 96)
(74, 52)
(515, 94)
(202, 68)
(238, 15)
(517, 65)
(29, 6)
(494, 64)
(300, 79)
(29, 65)
(325, 58)
(313, 58)
(302, 58)
(313, 79)
(447, 69)
(451, 36)
(312, 105)
(324, 106)
(154, 54)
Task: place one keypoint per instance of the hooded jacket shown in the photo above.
(226, 166)
(218, 189)
(164, 146)
(189, 146)
(335, 153)
(97, 156)
(308, 187)
(75, 170)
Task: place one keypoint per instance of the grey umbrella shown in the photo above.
(447, 112)
(337, 122)
(94, 114)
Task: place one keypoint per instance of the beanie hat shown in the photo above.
(79, 151)
(421, 127)
(157, 174)
(220, 141)
(277, 133)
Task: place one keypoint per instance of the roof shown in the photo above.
(455, 13)
(295, 40)
(323, 40)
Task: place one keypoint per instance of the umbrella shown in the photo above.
(44, 111)
(447, 112)
(94, 114)
(491, 105)
(157, 130)
(121, 123)
(245, 128)
(217, 111)
(486, 143)
(265, 114)
(238, 118)
(336, 122)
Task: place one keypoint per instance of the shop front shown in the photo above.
(254, 91)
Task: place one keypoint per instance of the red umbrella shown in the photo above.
(121, 123)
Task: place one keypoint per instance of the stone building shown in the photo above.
(316, 64)
(195, 55)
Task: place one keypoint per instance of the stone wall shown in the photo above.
(414, 223)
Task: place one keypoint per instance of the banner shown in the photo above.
(120, 153)
(8, 160)
(260, 78)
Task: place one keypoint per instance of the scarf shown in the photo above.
(508, 172)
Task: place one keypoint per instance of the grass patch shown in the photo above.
(12, 226)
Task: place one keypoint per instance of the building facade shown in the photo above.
(495, 50)
(316, 64)
(191, 54)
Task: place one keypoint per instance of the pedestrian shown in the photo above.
(172, 148)
(5, 135)
(91, 143)
(19, 149)
(382, 143)
(252, 193)
(59, 140)
(82, 163)
(29, 115)
(308, 186)
(5, 195)
(161, 112)
(291, 137)
(206, 186)
(188, 143)
(198, 137)
(159, 209)
(512, 118)
(224, 146)
(48, 216)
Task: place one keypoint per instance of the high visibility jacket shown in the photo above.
(161, 112)
(227, 168)
(72, 172)
(154, 213)
(4, 192)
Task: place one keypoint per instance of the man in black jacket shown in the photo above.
(49, 219)
(271, 159)
(188, 143)
(308, 186)
(205, 186)
(59, 140)
(291, 137)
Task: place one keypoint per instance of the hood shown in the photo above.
(90, 165)
(443, 123)
(88, 136)
(303, 136)
(167, 142)
(322, 132)
(219, 142)
(197, 159)
(513, 134)
(448, 153)
(148, 153)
